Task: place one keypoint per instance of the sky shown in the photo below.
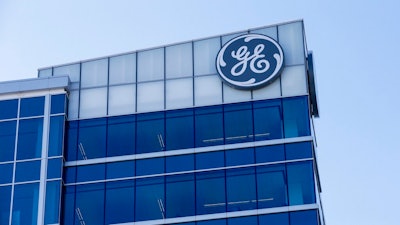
(356, 50)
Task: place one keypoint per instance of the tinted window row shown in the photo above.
(191, 194)
(188, 128)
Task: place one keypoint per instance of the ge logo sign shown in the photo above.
(250, 61)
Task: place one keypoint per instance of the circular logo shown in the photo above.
(250, 61)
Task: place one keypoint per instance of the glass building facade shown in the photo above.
(155, 137)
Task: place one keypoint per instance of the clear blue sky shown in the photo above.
(356, 49)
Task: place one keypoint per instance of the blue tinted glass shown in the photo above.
(150, 135)
(179, 129)
(238, 180)
(300, 183)
(53, 197)
(268, 120)
(8, 109)
(236, 157)
(121, 136)
(150, 166)
(5, 196)
(92, 139)
(57, 104)
(180, 163)
(120, 169)
(212, 222)
(209, 126)
(6, 171)
(150, 198)
(56, 135)
(69, 175)
(207, 201)
(68, 205)
(71, 140)
(7, 140)
(278, 218)
(54, 167)
(32, 106)
(120, 202)
(27, 171)
(210, 160)
(30, 138)
(270, 153)
(271, 186)
(249, 220)
(25, 204)
(296, 117)
(180, 195)
(90, 203)
(90, 172)
(309, 217)
(299, 150)
(238, 121)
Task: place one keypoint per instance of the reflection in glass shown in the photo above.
(120, 202)
(268, 120)
(238, 121)
(92, 139)
(209, 126)
(89, 204)
(27, 171)
(56, 136)
(53, 197)
(149, 201)
(238, 180)
(25, 204)
(271, 186)
(32, 106)
(5, 193)
(151, 137)
(296, 117)
(179, 129)
(57, 104)
(9, 109)
(7, 140)
(210, 201)
(301, 183)
(121, 136)
(30, 138)
(180, 195)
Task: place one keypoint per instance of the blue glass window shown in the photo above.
(7, 140)
(120, 169)
(150, 166)
(296, 117)
(53, 196)
(71, 140)
(90, 172)
(270, 153)
(210, 160)
(180, 163)
(56, 136)
(5, 193)
(57, 104)
(277, 218)
(68, 205)
(6, 173)
(179, 129)
(54, 167)
(207, 201)
(30, 138)
(238, 180)
(309, 217)
(268, 120)
(212, 222)
(69, 175)
(248, 220)
(90, 203)
(236, 157)
(92, 139)
(238, 121)
(27, 171)
(150, 198)
(121, 136)
(150, 135)
(120, 200)
(301, 183)
(271, 186)
(9, 109)
(299, 150)
(32, 106)
(180, 195)
(209, 126)
(25, 204)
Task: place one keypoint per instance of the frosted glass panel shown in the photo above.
(151, 65)
(45, 72)
(291, 40)
(179, 93)
(121, 99)
(272, 90)
(123, 69)
(205, 52)
(269, 31)
(179, 60)
(94, 73)
(227, 38)
(294, 81)
(73, 104)
(235, 95)
(73, 71)
(93, 103)
(207, 90)
(150, 96)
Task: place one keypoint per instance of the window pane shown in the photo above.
(180, 195)
(71, 140)
(93, 102)
(90, 203)
(179, 129)
(57, 104)
(25, 204)
(6, 173)
(94, 73)
(45, 72)
(123, 69)
(150, 166)
(179, 61)
(236, 157)
(27, 171)
(301, 183)
(5, 193)
(207, 90)
(73, 71)
(9, 109)
(209, 126)
(235, 95)
(271, 186)
(120, 202)
(73, 104)
(309, 217)
(56, 136)
(299, 150)
(120, 169)
(30, 138)
(204, 56)
(151, 65)
(270, 153)
(121, 136)
(291, 40)
(238, 121)
(69, 175)
(150, 198)
(54, 167)
(125, 105)
(238, 180)
(179, 163)
(210, 160)
(210, 201)
(92, 139)
(296, 117)
(53, 197)
(151, 136)
(268, 120)
(294, 81)
(249, 220)
(7, 140)
(32, 106)
(68, 205)
(91, 172)
(274, 219)
(179, 93)
(150, 96)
